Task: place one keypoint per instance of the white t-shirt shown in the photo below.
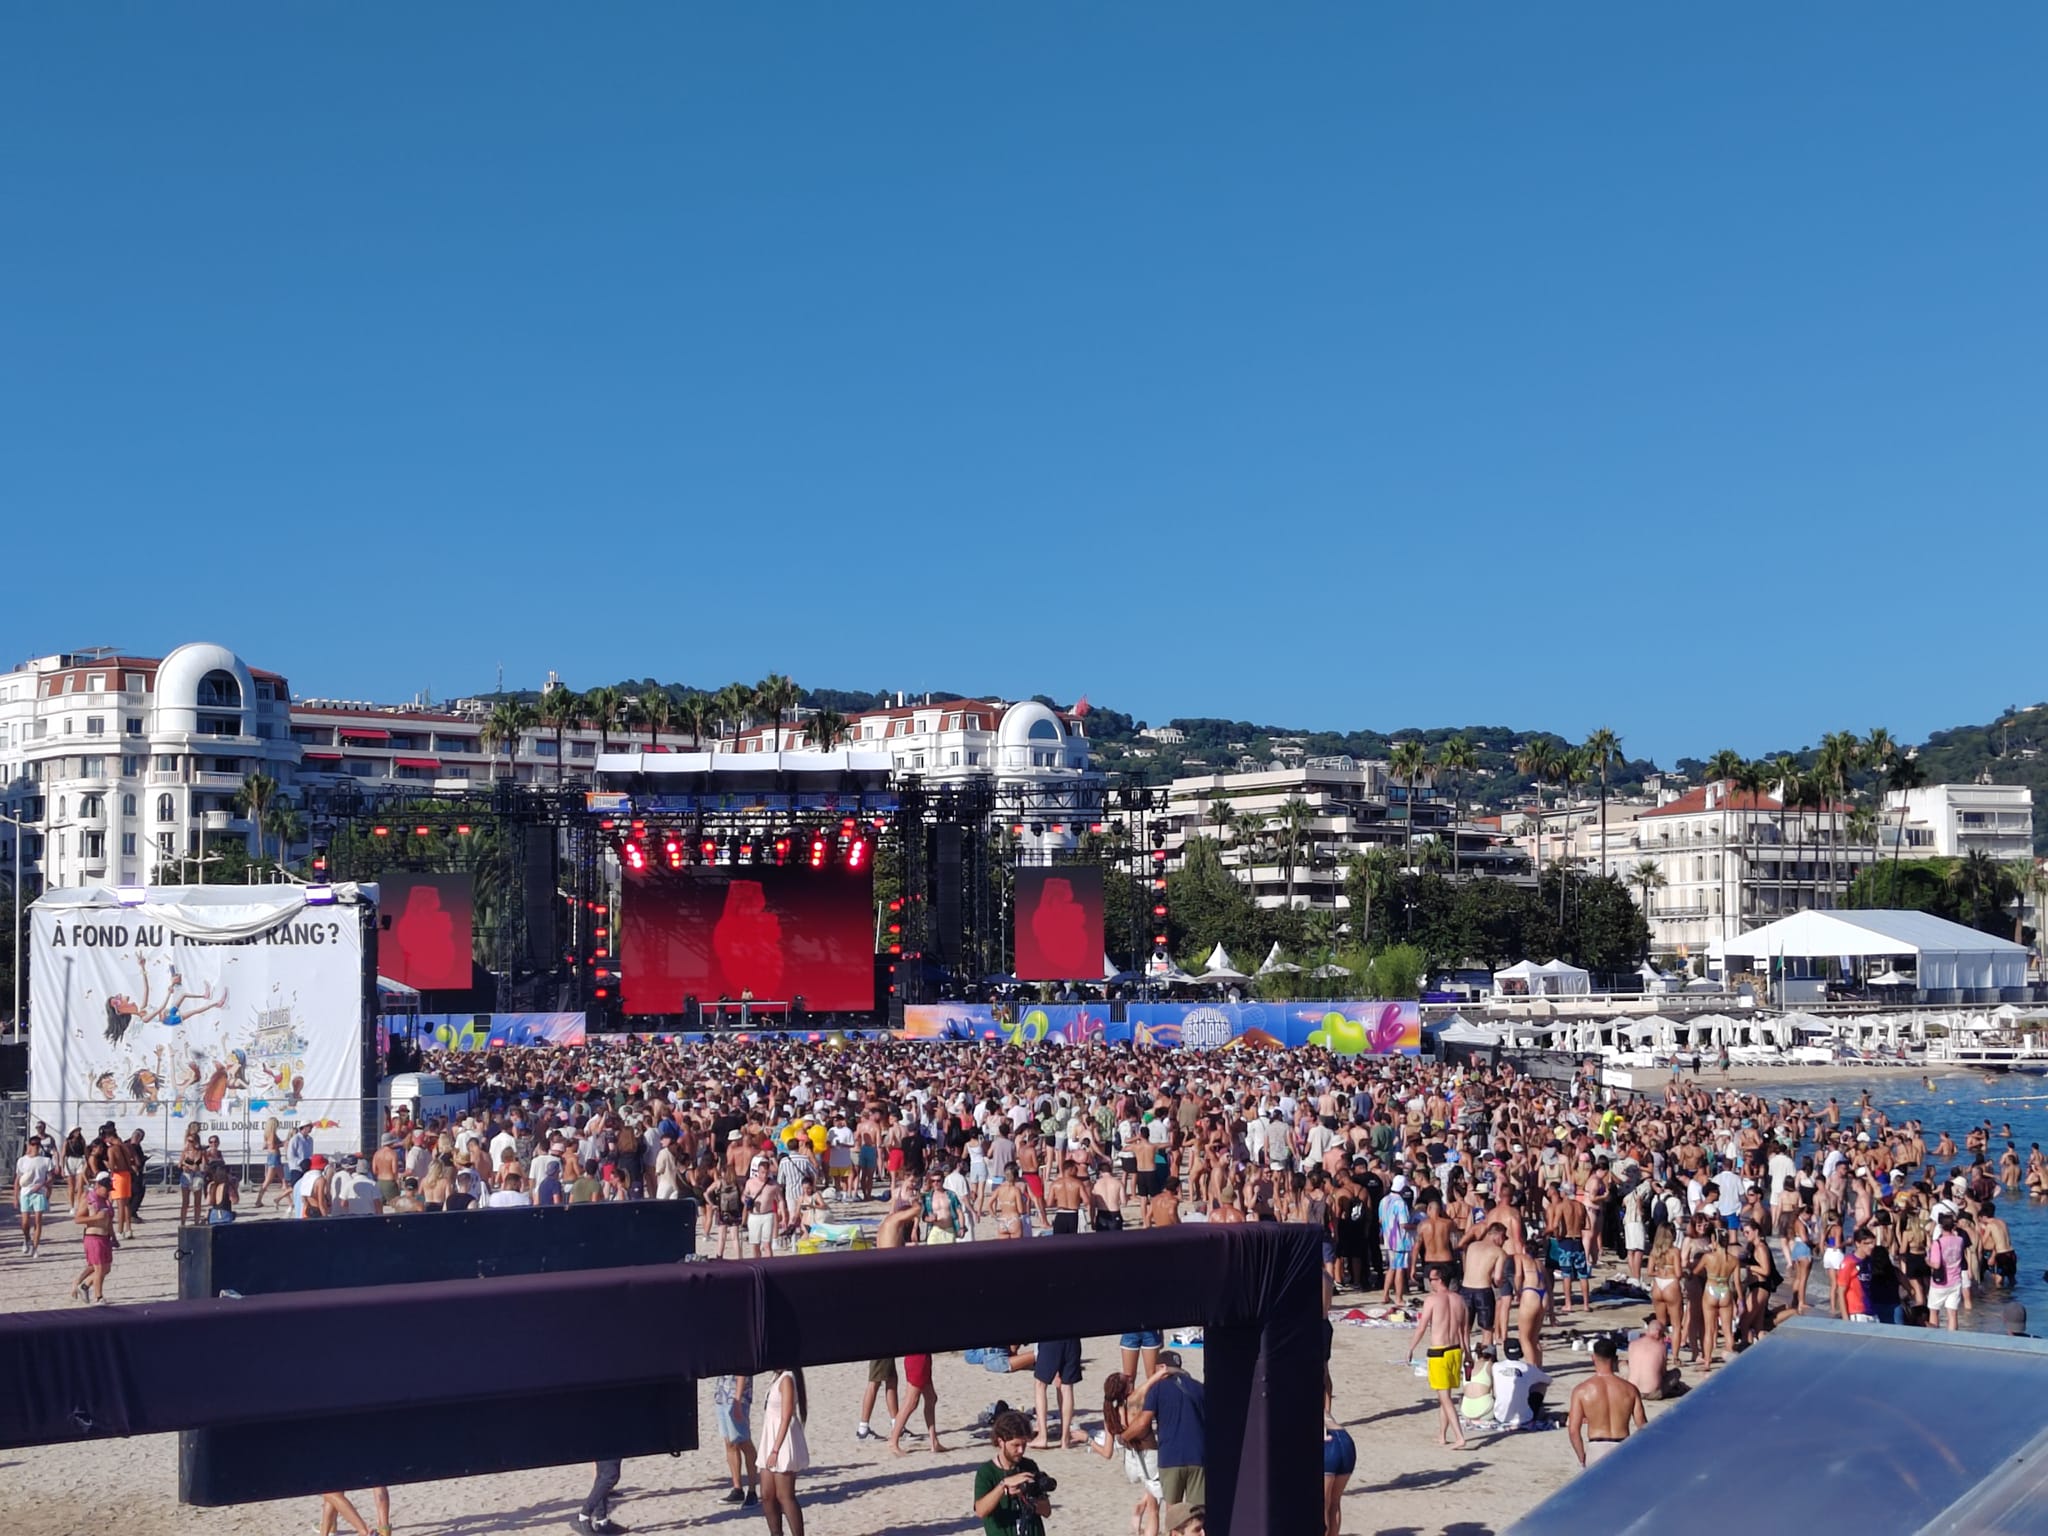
(303, 1189)
(33, 1174)
(1513, 1380)
(352, 1194)
(507, 1199)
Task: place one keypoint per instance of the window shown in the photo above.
(582, 749)
(128, 808)
(131, 682)
(167, 844)
(68, 724)
(265, 692)
(219, 690)
(93, 844)
(130, 766)
(165, 808)
(974, 759)
(93, 767)
(92, 805)
(166, 763)
(97, 683)
(544, 748)
(60, 807)
(42, 729)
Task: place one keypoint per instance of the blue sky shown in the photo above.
(1677, 370)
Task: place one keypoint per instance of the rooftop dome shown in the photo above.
(1030, 724)
(199, 675)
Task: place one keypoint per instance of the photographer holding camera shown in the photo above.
(1011, 1495)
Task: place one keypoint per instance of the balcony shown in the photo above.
(213, 780)
(1678, 914)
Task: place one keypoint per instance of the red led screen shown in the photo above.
(778, 933)
(424, 930)
(1059, 922)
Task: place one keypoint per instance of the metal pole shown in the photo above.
(17, 929)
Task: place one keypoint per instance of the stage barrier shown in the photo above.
(1256, 1290)
(1348, 1027)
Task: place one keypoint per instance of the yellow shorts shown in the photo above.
(1446, 1369)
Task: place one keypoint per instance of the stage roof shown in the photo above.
(1833, 1426)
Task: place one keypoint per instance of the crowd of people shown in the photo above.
(1484, 1205)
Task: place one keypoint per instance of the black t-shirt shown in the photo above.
(724, 1126)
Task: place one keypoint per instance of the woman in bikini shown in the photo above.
(1799, 1245)
(1720, 1276)
(1666, 1295)
(1532, 1279)
(1692, 1285)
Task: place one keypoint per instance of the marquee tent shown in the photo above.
(1947, 956)
(1559, 978)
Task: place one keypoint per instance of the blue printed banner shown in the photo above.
(1350, 1028)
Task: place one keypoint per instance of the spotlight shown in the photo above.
(749, 852)
(707, 851)
(821, 850)
(634, 856)
(783, 844)
(672, 851)
(857, 854)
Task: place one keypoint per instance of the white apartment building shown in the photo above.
(1355, 806)
(1952, 821)
(114, 764)
(1728, 861)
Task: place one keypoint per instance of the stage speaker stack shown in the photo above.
(537, 897)
(946, 882)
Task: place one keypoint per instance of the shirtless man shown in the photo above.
(897, 1228)
(1068, 1196)
(1650, 1370)
(1485, 1260)
(1604, 1408)
(1163, 1209)
(1994, 1240)
(1434, 1235)
(1106, 1200)
(1445, 1322)
(1565, 1220)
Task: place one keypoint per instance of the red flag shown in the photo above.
(1080, 707)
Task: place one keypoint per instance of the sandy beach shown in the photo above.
(1405, 1483)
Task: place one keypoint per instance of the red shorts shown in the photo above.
(895, 1159)
(917, 1370)
(1036, 1184)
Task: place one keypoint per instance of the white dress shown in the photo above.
(795, 1455)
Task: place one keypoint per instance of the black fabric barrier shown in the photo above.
(1256, 1288)
(274, 1458)
(259, 1258)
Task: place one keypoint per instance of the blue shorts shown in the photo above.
(732, 1423)
(272, 1160)
(36, 1204)
(1144, 1338)
(1340, 1453)
(1568, 1258)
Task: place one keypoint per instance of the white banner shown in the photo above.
(174, 1013)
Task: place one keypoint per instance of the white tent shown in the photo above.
(1559, 978)
(1331, 972)
(1460, 1032)
(1273, 964)
(1220, 969)
(1949, 956)
(1523, 972)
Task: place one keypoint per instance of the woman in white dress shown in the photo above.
(783, 1452)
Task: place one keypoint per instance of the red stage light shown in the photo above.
(846, 826)
(462, 830)
(747, 852)
(821, 850)
(1017, 830)
(606, 825)
(639, 829)
(707, 851)
(600, 933)
(672, 850)
(380, 831)
(782, 849)
(634, 856)
(1094, 826)
(422, 831)
(857, 854)
(602, 993)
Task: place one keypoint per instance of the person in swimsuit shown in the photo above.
(1719, 1271)
(1666, 1299)
(1340, 1460)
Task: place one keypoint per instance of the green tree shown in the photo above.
(1366, 884)
(1603, 753)
(1646, 877)
(1293, 838)
(694, 715)
(825, 729)
(283, 822)
(1248, 829)
(1395, 972)
(252, 800)
(1407, 762)
(503, 726)
(1206, 906)
(1539, 759)
(1903, 775)
(776, 695)
(1458, 758)
(659, 711)
(559, 709)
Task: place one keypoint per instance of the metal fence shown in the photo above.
(239, 1121)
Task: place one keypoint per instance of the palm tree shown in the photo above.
(1785, 775)
(1458, 756)
(826, 729)
(1603, 749)
(2030, 882)
(1904, 774)
(1840, 753)
(1750, 778)
(1293, 831)
(503, 727)
(283, 822)
(1646, 877)
(1249, 829)
(604, 706)
(659, 711)
(693, 715)
(1538, 759)
(1879, 749)
(252, 800)
(732, 703)
(1220, 812)
(1408, 760)
(632, 715)
(778, 696)
(1574, 766)
(559, 709)
(1373, 870)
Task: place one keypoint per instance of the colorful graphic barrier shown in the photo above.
(1350, 1028)
(489, 1031)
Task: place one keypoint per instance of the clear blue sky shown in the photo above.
(1675, 369)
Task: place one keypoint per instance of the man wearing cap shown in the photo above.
(352, 1192)
(95, 1217)
(309, 1189)
(1397, 1235)
(33, 1172)
(1183, 1520)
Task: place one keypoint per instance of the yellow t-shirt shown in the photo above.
(818, 1138)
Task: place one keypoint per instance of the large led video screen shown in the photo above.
(781, 934)
(1059, 922)
(425, 930)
